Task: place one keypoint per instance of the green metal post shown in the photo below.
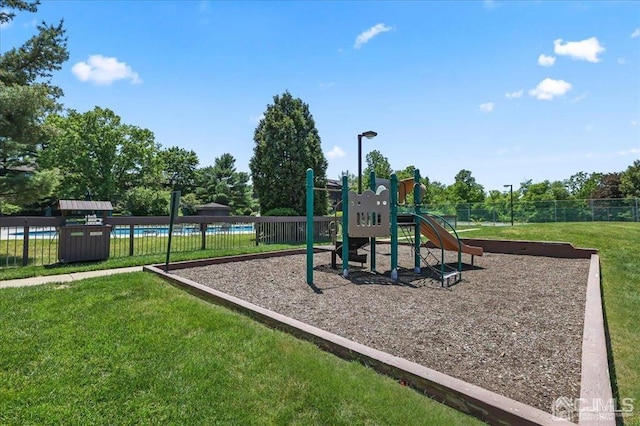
(374, 221)
(416, 201)
(309, 226)
(173, 213)
(345, 226)
(394, 227)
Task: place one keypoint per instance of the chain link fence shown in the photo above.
(600, 210)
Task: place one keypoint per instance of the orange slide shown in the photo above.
(436, 233)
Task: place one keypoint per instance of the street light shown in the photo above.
(511, 191)
(369, 135)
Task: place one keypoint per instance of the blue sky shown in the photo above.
(509, 90)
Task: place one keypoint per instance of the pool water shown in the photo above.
(140, 231)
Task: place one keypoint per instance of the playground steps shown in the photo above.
(354, 244)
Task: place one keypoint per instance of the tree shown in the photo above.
(142, 201)
(465, 189)
(630, 180)
(26, 98)
(221, 183)
(544, 191)
(379, 164)
(286, 144)
(581, 184)
(608, 187)
(95, 151)
(179, 168)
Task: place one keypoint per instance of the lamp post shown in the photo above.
(369, 134)
(511, 192)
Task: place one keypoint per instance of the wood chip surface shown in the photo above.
(513, 325)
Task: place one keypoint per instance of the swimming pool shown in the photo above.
(120, 231)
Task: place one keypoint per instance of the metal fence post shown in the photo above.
(25, 244)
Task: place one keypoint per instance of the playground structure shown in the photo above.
(374, 214)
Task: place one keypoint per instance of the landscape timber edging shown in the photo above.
(532, 248)
(595, 382)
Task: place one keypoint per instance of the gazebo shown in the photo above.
(213, 209)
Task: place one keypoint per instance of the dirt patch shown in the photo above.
(513, 325)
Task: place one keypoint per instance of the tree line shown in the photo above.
(48, 152)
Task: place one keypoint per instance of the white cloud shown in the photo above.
(486, 107)
(549, 88)
(103, 71)
(635, 33)
(324, 85)
(631, 151)
(546, 61)
(588, 127)
(579, 98)
(509, 150)
(586, 50)
(336, 152)
(490, 4)
(633, 123)
(622, 61)
(367, 35)
(514, 95)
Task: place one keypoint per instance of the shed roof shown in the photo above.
(85, 205)
(214, 206)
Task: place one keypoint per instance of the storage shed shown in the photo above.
(213, 209)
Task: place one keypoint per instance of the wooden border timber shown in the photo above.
(532, 248)
(595, 382)
(468, 398)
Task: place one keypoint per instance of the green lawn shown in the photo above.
(131, 349)
(619, 249)
(122, 262)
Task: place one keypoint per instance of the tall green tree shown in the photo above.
(96, 152)
(286, 145)
(221, 183)
(581, 184)
(179, 168)
(379, 164)
(26, 98)
(630, 180)
(465, 189)
(544, 191)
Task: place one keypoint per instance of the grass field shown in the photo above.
(619, 250)
(130, 349)
(117, 330)
(148, 259)
(44, 251)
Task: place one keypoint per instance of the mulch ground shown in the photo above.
(513, 325)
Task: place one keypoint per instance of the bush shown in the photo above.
(281, 211)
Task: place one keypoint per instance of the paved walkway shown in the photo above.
(66, 277)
